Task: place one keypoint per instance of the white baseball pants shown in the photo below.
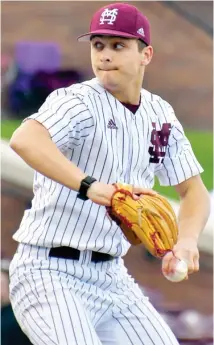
(78, 302)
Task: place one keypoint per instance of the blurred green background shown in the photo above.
(201, 141)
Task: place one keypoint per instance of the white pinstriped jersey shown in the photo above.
(107, 141)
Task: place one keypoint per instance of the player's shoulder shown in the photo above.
(153, 98)
(161, 107)
(77, 90)
(66, 100)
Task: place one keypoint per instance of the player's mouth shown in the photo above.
(107, 69)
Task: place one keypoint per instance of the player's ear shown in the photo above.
(146, 54)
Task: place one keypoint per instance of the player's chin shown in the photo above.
(108, 81)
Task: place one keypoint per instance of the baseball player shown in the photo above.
(68, 282)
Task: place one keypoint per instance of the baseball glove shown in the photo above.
(150, 220)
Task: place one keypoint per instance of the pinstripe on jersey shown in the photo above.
(106, 141)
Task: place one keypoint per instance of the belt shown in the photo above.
(74, 254)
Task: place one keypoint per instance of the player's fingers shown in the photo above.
(143, 191)
(196, 264)
(166, 262)
(191, 268)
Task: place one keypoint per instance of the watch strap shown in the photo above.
(84, 186)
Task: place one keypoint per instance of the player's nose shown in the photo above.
(106, 58)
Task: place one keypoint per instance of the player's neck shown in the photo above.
(129, 94)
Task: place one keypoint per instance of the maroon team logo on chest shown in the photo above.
(159, 141)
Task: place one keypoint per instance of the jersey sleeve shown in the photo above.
(179, 163)
(66, 117)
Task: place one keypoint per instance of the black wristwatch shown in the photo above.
(85, 184)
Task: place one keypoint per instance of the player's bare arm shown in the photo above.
(32, 142)
(193, 214)
(194, 208)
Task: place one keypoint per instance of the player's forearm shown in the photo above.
(36, 148)
(194, 212)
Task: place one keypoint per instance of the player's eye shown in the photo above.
(98, 45)
(118, 46)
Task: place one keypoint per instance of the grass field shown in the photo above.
(202, 144)
(8, 127)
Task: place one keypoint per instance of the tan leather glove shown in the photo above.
(150, 220)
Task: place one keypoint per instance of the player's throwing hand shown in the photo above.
(185, 249)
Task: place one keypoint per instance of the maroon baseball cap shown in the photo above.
(119, 19)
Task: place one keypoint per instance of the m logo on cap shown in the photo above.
(109, 16)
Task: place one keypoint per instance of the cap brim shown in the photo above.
(87, 36)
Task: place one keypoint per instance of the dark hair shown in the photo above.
(141, 45)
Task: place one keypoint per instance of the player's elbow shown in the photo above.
(28, 136)
(17, 141)
(22, 137)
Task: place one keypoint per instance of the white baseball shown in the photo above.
(179, 274)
